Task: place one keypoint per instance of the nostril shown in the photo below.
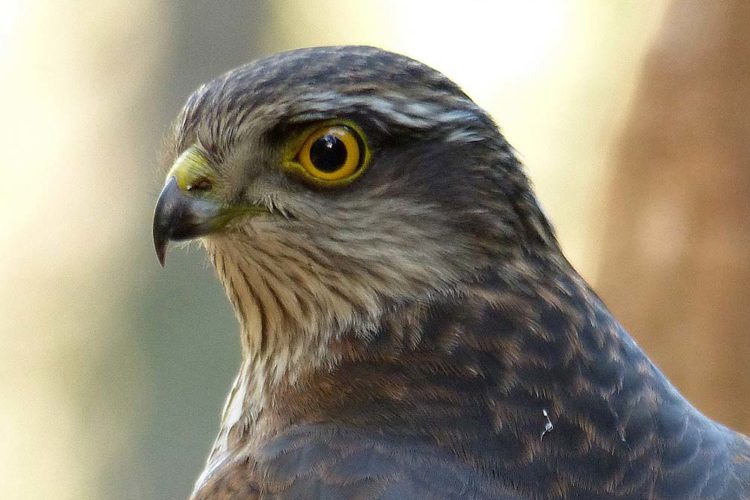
(201, 184)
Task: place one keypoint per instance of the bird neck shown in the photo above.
(524, 355)
(294, 300)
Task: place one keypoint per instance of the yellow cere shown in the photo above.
(190, 168)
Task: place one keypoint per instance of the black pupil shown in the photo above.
(328, 153)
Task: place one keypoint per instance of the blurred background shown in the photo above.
(633, 119)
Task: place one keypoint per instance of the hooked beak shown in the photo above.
(180, 216)
(188, 206)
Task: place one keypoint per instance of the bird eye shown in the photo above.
(332, 154)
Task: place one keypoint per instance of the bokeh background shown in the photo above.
(633, 119)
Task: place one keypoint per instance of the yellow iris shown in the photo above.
(331, 155)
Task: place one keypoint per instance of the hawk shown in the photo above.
(410, 327)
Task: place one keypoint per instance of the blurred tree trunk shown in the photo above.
(677, 240)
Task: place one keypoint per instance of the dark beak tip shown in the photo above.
(161, 242)
(163, 214)
(161, 254)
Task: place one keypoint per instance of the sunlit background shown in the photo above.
(112, 370)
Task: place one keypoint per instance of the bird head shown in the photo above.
(327, 183)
